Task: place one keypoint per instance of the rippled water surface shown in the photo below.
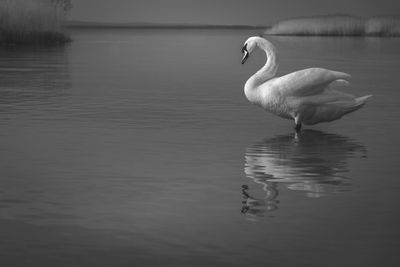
(138, 148)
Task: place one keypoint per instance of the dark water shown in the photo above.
(138, 148)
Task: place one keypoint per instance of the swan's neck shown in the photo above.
(268, 71)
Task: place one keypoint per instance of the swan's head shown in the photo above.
(249, 46)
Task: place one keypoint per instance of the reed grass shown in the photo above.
(32, 22)
(337, 25)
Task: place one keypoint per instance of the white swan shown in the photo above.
(305, 96)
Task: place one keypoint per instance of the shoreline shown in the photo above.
(161, 26)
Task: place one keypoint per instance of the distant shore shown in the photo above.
(337, 25)
(144, 25)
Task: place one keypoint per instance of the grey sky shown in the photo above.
(222, 11)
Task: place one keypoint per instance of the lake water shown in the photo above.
(138, 148)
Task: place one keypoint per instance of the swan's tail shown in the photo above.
(360, 101)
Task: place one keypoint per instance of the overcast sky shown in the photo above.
(249, 12)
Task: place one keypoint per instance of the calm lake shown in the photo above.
(139, 148)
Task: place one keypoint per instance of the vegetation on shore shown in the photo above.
(337, 25)
(33, 21)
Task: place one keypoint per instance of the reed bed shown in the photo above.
(32, 22)
(338, 25)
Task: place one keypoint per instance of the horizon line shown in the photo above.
(95, 24)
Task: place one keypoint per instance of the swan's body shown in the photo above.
(306, 96)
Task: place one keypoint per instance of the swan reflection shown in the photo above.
(311, 161)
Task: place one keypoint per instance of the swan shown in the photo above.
(305, 96)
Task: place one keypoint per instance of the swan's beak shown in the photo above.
(245, 56)
(245, 52)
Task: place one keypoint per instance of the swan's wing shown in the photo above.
(329, 106)
(308, 81)
(340, 82)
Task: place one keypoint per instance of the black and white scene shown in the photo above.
(179, 133)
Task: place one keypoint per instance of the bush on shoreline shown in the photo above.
(337, 25)
(33, 21)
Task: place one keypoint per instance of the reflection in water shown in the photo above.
(311, 161)
(32, 75)
(258, 206)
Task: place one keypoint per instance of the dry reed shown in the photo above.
(338, 25)
(32, 22)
